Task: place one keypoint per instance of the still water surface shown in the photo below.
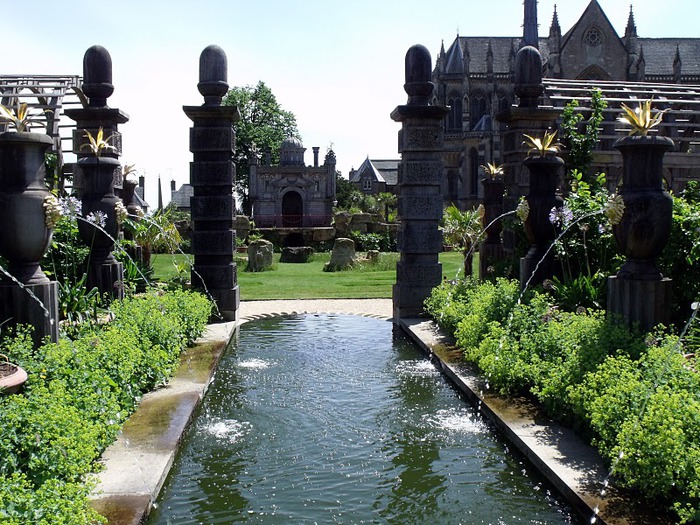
(330, 419)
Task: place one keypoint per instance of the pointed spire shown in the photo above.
(160, 195)
(631, 29)
(677, 58)
(530, 30)
(555, 27)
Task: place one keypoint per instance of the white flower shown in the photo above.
(98, 218)
(71, 206)
(523, 209)
(52, 211)
(120, 212)
(614, 209)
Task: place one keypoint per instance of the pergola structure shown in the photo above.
(50, 95)
(681, 121)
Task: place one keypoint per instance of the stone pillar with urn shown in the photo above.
(98, 173)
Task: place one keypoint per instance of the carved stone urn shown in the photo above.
(24, 234)
(646, 222)
(542, 197)
(99, 203)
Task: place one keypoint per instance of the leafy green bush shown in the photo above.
(78, 394)
(636, 398)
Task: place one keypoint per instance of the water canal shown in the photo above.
(330, 419)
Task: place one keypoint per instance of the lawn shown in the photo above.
(309, 281)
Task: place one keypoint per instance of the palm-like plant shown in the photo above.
(492, 170)
(463, 229)
(20, 117)
(96, 144)
(542, 147)
(641, 119)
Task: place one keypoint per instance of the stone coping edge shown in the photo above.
(571, 466)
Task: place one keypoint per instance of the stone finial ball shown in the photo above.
(528, 76)
(418, 73)
(213, 75)
(97, 76)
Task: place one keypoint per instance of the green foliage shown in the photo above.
(463, 229)
(383, 242)
(637, 399)
(346, 193)
(586, 249)
(454, 303)
(681, 257)
(55, 502)
(77, 303)
(579, 137)
(78, 393)
(65, 259)
(263, 124)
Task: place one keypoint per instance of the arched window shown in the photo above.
(454, 117)
(477, 109)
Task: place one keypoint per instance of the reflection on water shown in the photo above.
(330, 419)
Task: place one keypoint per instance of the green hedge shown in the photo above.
(78, 394)
(635, 396)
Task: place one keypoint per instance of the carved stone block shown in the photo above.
(213, 208)
(212, 139)
(203, 173)
(214, 242)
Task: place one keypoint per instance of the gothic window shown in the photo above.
(454, 117)
(367, 184)
(503, 103)
(477, 110)
(593, 37)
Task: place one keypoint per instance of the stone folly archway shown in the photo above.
(292, 209)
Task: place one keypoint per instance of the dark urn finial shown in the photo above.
(97, 76)
(528, 76)
(418, 73)
(213, 75)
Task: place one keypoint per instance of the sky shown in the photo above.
(338, 66)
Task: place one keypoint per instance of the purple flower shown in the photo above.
(561, 216)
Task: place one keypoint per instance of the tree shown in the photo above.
(263, 124)
(579, 144)
(346, 193)
(463, 229)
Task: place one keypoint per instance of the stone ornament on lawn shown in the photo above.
(260, 255)
(342, 256)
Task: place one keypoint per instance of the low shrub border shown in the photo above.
(78, 394)
(635, 396)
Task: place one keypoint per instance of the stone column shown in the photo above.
(491, 249)
(97, 178)
(212, 175)
(421, 141)
(526, 117)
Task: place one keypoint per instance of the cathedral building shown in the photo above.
(474, 78)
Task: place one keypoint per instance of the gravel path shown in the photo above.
(377, 308)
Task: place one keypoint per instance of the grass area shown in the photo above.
(309, 281)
